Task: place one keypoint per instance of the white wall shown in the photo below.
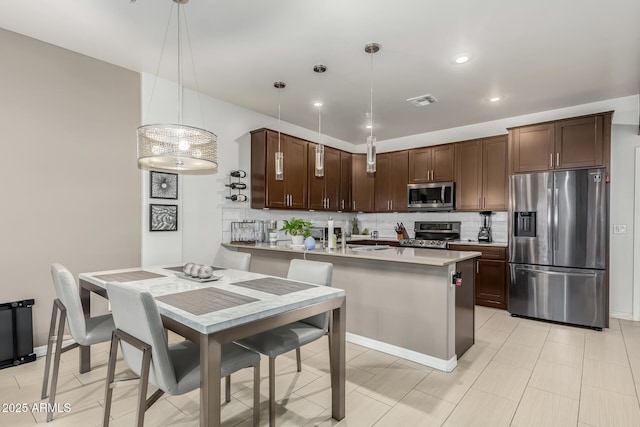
(201, 197)
(624, 142)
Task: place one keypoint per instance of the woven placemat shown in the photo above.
(130, 276)
(273, 285)
(205, 300)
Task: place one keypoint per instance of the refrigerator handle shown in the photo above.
(555, 220)
(557, 273)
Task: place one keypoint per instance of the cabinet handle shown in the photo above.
(551, 160)
(327, 203)
(558, 159)
(477, 267)
(290, 200)
(387, 205)
(484, 202)
(479, 201)
(342, 204)
(354, 204)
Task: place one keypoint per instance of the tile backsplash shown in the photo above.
(319, 219)
(384, 223)
(470, 223)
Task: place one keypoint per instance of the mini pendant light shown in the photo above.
(319, 169)
(176, 147)
(371, 48)
(279, 153)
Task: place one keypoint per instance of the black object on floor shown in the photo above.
(16, 333)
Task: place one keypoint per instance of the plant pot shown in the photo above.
(297, 240)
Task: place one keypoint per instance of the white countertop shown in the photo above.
(433, 257)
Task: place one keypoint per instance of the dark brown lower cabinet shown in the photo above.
(491, 275)
(491, 279)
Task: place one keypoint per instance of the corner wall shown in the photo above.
(69, 161)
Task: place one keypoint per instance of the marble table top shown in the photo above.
(267, 304)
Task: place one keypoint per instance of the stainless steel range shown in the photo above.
(433, 235)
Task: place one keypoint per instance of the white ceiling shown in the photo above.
(541, 55)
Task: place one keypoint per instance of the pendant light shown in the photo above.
(177, 147)
(279, 153)
(371, 48)
(319, 169)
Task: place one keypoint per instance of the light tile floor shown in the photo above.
(519, 373)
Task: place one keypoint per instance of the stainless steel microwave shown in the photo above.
(433, 196)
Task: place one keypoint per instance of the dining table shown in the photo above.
(235, 305)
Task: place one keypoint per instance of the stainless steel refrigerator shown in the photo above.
(558, 247)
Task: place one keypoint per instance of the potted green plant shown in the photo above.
(298, 229)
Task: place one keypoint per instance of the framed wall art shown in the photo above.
(163, 217)
(163, 185)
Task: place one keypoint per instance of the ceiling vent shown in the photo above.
(419, 101)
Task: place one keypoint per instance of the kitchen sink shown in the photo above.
(365, 248)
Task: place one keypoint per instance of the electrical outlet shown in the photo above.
(619, 229)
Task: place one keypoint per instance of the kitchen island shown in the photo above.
(402, 301)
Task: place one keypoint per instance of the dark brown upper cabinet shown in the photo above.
(391, 179)
(345, 182)
(324, 191)
(362, 184)
(579, 142)
(495, 177)
(266, 191)
(481, 174)
(432, 164)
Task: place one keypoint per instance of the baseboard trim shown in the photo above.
(414, 356)
(42, 350)
(618, 315)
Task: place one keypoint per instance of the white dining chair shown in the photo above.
(173, 369)
(232, 259)
(84, 332)
(285, 338)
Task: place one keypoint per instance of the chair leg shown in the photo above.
(227, 389)
(272, 391)
(298, 359)
(47, 362)
(256, 394)
(144, 383)
(111, 370)
(329, 341)
(56, 364)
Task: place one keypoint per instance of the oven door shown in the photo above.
(436, 196)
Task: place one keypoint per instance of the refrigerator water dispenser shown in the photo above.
(525, 224)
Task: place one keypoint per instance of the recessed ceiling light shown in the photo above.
(494, 98)
(368, 126)
(461, 58)
(317, 104)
